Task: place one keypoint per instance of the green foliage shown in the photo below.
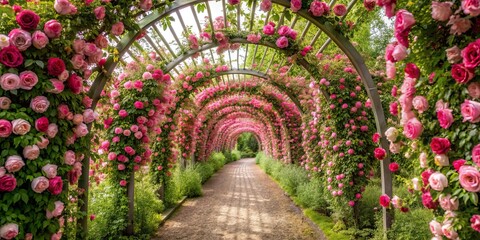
(148, 207)
(187, 182)
(205, 170)
(326, 224)
(247, 144)
(408, 226)
(290, 177)
(217, 160)
(368, 206)
(311, 195)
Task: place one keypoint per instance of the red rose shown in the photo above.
(457, 164)
(393, 166)
(41, 124)
(412, 71)
(376, 137)
(471, 54)
(72, 176)
(379, 153)
(28, 20)
(7, 183)
(461, 73)
(10, 56)
(55, 66)
(428, 202)
(55, 185)
(440, 145)
(385, 200)
(75, 84)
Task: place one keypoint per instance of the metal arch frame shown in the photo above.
(341, 41)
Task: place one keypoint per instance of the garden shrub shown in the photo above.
(311, 195)
(236, 155)
(148, 207)
(290, 177)
(205, 170)
(188, 182)
(368, 206)
(217, 160)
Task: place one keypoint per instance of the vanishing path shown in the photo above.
(240, 202)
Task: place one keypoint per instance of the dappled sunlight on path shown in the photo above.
(239, 202)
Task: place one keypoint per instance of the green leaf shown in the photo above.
(40, 63)
(29, 62)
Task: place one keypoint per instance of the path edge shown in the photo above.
(170, 211)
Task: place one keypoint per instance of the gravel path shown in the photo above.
(239, 202)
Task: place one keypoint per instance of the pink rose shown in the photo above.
(56, 236)
(63, 7)
(457, 164)
(101, 41)
(121, 167)
(471, 7)
(399, 52)
(63, 111)
(39, 104)
(445, 117)
(391, 70)
(268, 29)
(254, 38)
(295, 5)
(78, 61)
(117, 29)
(14, 163)
(57, 211)
(448, 231)
(9, 231)
(52, 130)
(146, 5)
(233, 2)
(50, 170)
(282, 42)
(138, 105)
(459, 25)
(129, 150)
(79, 45)
(40, 184)
(81, 130)
(20, 126)
(88, 116)
(20, 39)
(471, 53)
(55, 66)
(55, 185)
(476, 155)
(9, 81)
(420, 103)
(123, 183)
(69, 157)
(438, 181)
(5, 128)
(31, 152)
(436, 228)
(441, 11)
(339, 10)
(404, 21)
(284, 30)
(58, 86)
(369, 4)
(43, 143)
(39, 39)
(453, 54)
(122, 113)
(413, 128)
(5, 103)
(266, 5)
(28, 80)
(473, 90)
(448, 203)
(99, 12)
(475, 222)
(318, 8)
(470, 111)
(393, 167)
(408, 90)
(469, 178)
(52, 28)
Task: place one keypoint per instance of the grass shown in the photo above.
(326, 225)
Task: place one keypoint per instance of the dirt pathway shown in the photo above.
(239, 202)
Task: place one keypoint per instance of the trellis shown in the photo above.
(151, 23)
